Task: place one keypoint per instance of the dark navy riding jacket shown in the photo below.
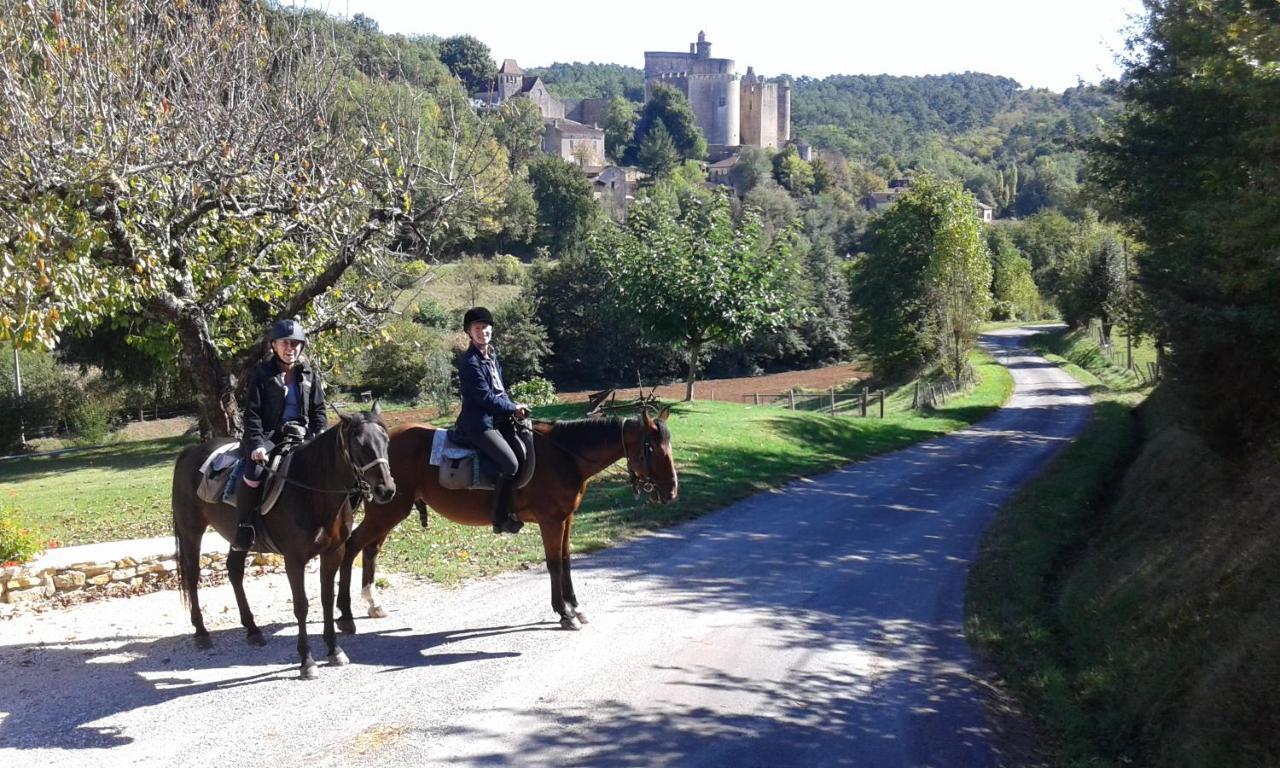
(482, 397)
(264, 406)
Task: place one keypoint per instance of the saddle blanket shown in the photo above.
(443, 448)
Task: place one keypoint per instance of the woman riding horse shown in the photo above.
(283, 391)
(487, 412)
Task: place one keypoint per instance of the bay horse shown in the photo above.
(312, 516)
(567, 455)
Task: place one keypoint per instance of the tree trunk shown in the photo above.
(215, 389)
(695, 351)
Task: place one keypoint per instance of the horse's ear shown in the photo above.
(648, 420)
(377, 407)
(664, 414)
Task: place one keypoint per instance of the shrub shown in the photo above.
(413, 358)
(92, 420)
(48, 396)
(17, 543)
(433, 315)
(507, 270)
(535, 391)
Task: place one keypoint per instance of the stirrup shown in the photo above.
(245, 535)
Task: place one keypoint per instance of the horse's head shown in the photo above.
(649, 459)
(365, 437)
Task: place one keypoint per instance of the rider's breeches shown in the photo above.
(495, 446)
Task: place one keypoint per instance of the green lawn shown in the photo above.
(723, 451)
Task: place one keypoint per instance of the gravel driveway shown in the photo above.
(820, 624)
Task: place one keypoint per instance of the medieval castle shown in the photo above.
(732, 110)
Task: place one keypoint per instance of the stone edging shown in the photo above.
(36, 584)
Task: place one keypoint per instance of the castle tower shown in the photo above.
(510, 80)
(712, 86)
(784, 112)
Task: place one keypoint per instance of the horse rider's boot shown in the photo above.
(247, 499)
(504, 519)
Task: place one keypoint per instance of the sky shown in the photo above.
(1040, 43)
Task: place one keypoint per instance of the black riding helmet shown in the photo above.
(476, 315)
(288, 329)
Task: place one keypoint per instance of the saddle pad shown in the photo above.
(222, 457)
(443, 448)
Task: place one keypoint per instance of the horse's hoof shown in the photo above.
(204, 642)
(255, 638)
(582, 617)
(570, 622)
(347, 626)
(308, 672)
(338, 659)
(378, 612)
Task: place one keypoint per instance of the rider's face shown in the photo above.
(480, 333)
(288, 350)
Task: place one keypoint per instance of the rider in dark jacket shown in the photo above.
(486, 412)
(282, 391)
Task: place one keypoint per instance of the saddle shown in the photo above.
(225, 466)
(463, 468)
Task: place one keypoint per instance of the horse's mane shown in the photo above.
(590, 430)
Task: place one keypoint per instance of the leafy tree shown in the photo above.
(470, 60)
(753, 167)
(619, 127)
(694, 277)
(1192, 166)
(472, 274)
(670, 107)
(593, 81)
(923, 286)
(524, 343)
(518, 128)
(1013, 291)
(206, 217)
(658, 154)
(793, 172)
(566, 207)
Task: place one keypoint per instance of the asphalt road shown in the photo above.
(820, 624)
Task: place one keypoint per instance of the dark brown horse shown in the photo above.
(568, 454)
(312, 516)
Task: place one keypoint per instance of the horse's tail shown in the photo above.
(184, 507)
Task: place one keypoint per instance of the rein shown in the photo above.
(636, 482)
(361, 487)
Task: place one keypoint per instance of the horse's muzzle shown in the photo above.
(383, 494)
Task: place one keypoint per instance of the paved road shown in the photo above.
(816, 625)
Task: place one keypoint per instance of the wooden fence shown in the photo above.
(859, 404)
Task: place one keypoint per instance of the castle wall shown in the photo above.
(711, 86)
(759, 113)
(784, 112)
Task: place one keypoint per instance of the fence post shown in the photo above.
(915, 398)
(882, 403)
(864, 402)
(791, 395)
(832, 392)
(757, 396)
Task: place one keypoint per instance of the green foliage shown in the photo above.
(693, 276)
(411, 362)
(658, 154)
(619, 127)
(596, 342)
(671, 108)
(793, 172)
(534, 391)
(521, 339)
(18, 543)
(754, 166)
(1192, 167)
(593, 81)
(93, 419)
(1013, 290)
(470, 60)
(432, 314)
(49, 396)
(410, 273)
(923, 287)
(472, 274)
(507, 270)
(566, 207)
(517, 126)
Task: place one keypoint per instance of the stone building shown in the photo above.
(573, 141)
(570, 127)
(731, 110)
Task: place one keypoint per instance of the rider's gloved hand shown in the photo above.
(259, 455)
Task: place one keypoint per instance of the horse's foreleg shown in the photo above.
(566, 579)
(329, 563)
(346, 622)
(295, 567)
(235, 572)
(552, 545)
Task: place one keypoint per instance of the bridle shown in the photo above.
(639, 482)
(362, 487)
